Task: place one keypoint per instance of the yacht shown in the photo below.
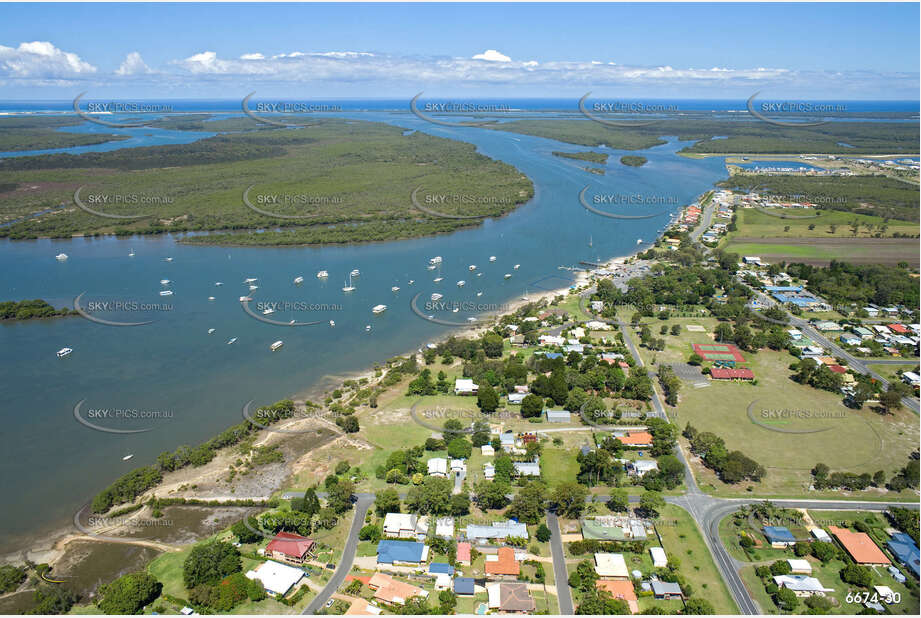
(455, 310)
(411, 281)
(169, 259)
(131, 254)
(349, 287)
(322, 274)
(253, 288)
(332, 323)
(508, 275)
(231, 340)
(210, 331)
(472, 267)
(378, 308)
(479, 274)
(250, 280)
(492, 258)
(268, 311)
(355, 273)
(298, 280)
(64, 352)
(367, 328)
(639, 241)
(61, 257)
(245, 299)
(166, 293)
(479, 293)
(218, 283)
(164, 281)
(471, 319)
(210, 298)
(277, 345)
(438, 279)
(395, 289)
(430, 267)
(436, 296)
(127, 457)
(516, 266)
(461, 283)
(435, 260)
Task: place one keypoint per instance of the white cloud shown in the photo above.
(492, 56)
(133, 64)
(41, 60)
(255, 56)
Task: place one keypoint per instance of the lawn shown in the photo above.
(753, 223)
(558, 466)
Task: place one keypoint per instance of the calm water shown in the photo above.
(52, 464)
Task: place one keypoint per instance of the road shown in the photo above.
(704, 221)
(362, 504)
(560, 575)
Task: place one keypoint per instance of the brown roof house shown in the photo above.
(510, 598)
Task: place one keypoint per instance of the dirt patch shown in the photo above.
(86, 565)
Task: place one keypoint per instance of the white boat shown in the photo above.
(438, 279)
(435, 260)
(210, 298)
(479, 293)
(492, 258)
(349, 287)
(525, 298)
(332, 322)
(291, 322)
(218, 283)
(508, 275)
(127, 457)
(60, 257)
(210, 331)
(64, 352)
(471, 267)
(395, 289)
(164, 281)
(131, 254)
(298, 280)
(461, 283)
(253, 288)
(430, 267)
(436, 296)
(479, 274)
(411, 281)
(516, 266)
(367, 328)
(277, 345)
(245, 299)
(166, 293)
(455, 310)
(231, 340)
(322, 274)
(378, 308)
(471, 319)
(639, 241)
(169, 259)
(268, 311)
(250, 280)
(355, 272)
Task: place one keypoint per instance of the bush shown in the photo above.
(128, 594)
(543, 533)
(210, 562)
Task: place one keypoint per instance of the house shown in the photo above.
(442, 581)
(444, 528)
(849, 339)
(551, 340)
(614, 528)
(597, 306)
(517, 341)
(596, 325)
(487, 450)
(828, 326)
(290, 547)
(752, 259)
(507, 440)
(360, 607)
(911, 378)
(611, 566)
(463, 386)
(557, 416)
(802, 585)
(732, 374)
(405, 526)
(898, 329)
(463, 553)
(635, 438)
(503, 563)
(666, 590)
(464, 586)
(527, 468)
(820, 535)
(188, 611)
(393, 592)
(863, 333)
(458, 466)
(402, 552)
(859, 546)
(489, 471)
(779, 536)
(510, 598)
(276, 578)
(800, 566)
(885, 593)
(620, 589)
(795, 335)
(497, 530)
(641, 466)
(659, 559)
(516, 398)
(871, 311)
(905, 551)
(896, 574)
(438, 466)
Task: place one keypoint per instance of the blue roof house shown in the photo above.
(904, 549)
(441, 567)
(401, 552)
(463, 586)
(779, 536)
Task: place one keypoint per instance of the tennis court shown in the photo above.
(718, 351)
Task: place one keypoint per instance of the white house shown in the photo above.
(801, 585)
(464, 386)
(516, 398)
(659, 559)
(611, 566)
(799, 566)
(487, 450)
(405, 525)
(489, 471)
(444, 527)
(276, 578)
(438, 466)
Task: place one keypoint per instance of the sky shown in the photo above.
(317, 51)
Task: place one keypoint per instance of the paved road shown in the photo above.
(560, 575)
(362, 504)
(704, 221)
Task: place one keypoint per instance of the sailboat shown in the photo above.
(131, 254)
(349, 287)
(589, 241)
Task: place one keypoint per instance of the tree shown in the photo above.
(432, 497)
(699, 607)
(128, 594)
(244, 533)
(453, 428)
(52, 600)
(481, 433)
(487, 399)
(492, 494)
(339, 497)
(210, 562)
(543, 533)
(459, 448)
(370, 532)
(504, 468)
(386, 501)
(857, 574)
(569, 499)
(532, 406)
(619, 501)
(492, 345)
(446, 602)
(309, 504)
(460, 505)
(11, 577)
(651, 503)
(824, 551)
(529, 503)
(349, 424)
(786, 599)
(890, 400)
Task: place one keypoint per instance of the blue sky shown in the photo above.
(392, 50)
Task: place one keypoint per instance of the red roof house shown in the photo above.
(463, 553)
(289, 547)
(732, 374)
(837, 368)
(505, 564)
(898, 328)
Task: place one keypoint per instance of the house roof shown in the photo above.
(802, 583)
(905, 550)
(658, 554)
(799, 565)
(611, 565)
(400, 551)
(515, 597)
(390, 590)
(505, 563)
(837, 368)
(779, 534)
(732, 374)
(290, 544)
(400, 521)
(441, 567)
(498, 530)
(860, 546)
(360, 607)
(463, 552)
(619, 589)
(636, 438)
(660, 588)
(463, 585)
(275, 576)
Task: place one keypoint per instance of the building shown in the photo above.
(820, 535)
(731, 374)
(503, 563)
(779, 536)
(463, 553)
(405, 526)
(659, 559)
(438, 466)
(516, 398)
(527, 468)
(489, 471)
(510, 598)
(800, 566)
(620, 589)
(497, 530)
(849, 339)
(641, 466)
(444, 528)
(614, 528)
(464, 386)
(911, 378)
(276, 578)
(402, 552)
(860, 547)
(802, 585)
(360, 607)
(635, 438)
(393, 592)
(487, 450)
(557, 416)
(611, 566)
(666, 590)
(905, 551)
(290, 547)
(464, 586)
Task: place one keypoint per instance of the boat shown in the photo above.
(298, 280)
(411, 281)
(395, 289)
(322, 274)
(508, 275)
(268, 311)
(516, 266)
(525, 297)
(349, 287)
(355, 273)
(164, 281)
(131, 254)
(430, 267)
(455, 310)
(472, 267)
(479, 293)
(435, 260)
(231, 340)
(378, 308)
(253, 288)
(367, 328)
(210, 298)
(166, 293)
(438, 279)
(169, 259)
(210, 331)
(64, 352)
(245, 299)
(277, 345)
(436, 296)
(639, 241)
(589, 241)
(218, 283)
(471, 319)
(292, 322)
(479, 274)
(127, 457)
(461, 283)
(60, 257)
(492, 258)
(332, 322)
(250, 280)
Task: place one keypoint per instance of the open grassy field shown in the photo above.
(753, 223)
(821, 251)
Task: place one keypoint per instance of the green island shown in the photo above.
(17, 134)
(344, 181)
(595, 157)
(30, 310)
(633, 160)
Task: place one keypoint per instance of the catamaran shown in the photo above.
(355, 272)
(61, 257)
(378, 308)
(298, 280)
(492, 258)
(277, 345)
(166, 293)
(64, 352)
(349, 287)
(322, 274)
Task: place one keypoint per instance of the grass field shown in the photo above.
(821, 251)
